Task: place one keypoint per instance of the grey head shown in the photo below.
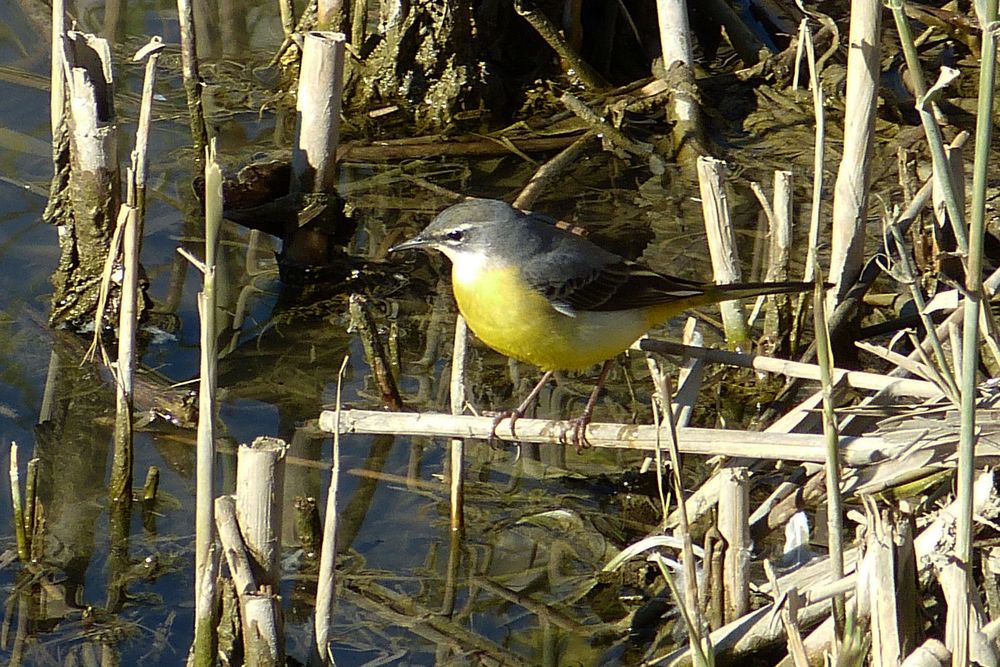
(495, 230)
(474, 226)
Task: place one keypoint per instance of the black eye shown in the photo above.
(455, 235)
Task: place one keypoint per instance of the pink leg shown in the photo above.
(519, 411)
(579, 425)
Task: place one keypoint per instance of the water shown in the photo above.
(540, 522)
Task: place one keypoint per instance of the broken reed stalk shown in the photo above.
(94, 187)
(120, 489)
(32, 510)
(287, 10)
(932, 653)
(790, 619)
(317, 134)
(192, 79)
(722, 245)
(850, 199)
(881, 577)
(987, 14)
(317, 105)
(689, 380)
(734, 525)
(59, 203)
(331, 15)
(57, 96)
(326, 580)
(548, 172)
(658, 452)
(713, 566)
(756, 630)
(151, 485)
(121, 472)
(204, 633)
(571, 60)
(792, 602)
(359, 21)
(23, 549)
(120, 484)
(689, 376)
(705, 496)
(457, 399)
(932, 548)
(600, 125)
(263, 629)
(378, 362)
(941, 538)
(140, 156)
(233, 548)
(260, 609)
(675, 33)
(260, 484)
(150, 488)
(678, 71)
(834, 519)
(777, 322)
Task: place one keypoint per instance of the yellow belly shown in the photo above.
(509, 316)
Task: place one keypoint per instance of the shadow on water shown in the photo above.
(517, 587)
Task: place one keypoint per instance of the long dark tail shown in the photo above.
(750, 290)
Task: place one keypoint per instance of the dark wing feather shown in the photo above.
(635, 287)
(576, 275)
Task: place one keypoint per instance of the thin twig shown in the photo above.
(835, 525)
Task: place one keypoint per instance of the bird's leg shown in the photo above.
(578, 426)
(519, 411)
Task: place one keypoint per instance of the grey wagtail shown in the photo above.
(534, 290)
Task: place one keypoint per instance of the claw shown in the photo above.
(513, 416)
(578, 429)
(520, 411)
(579, 425)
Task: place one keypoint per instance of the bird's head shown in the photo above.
(474, 228)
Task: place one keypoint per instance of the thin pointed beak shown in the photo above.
(416, 242)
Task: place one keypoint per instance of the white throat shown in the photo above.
(468, 266)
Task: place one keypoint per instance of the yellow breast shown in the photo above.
(512, 318)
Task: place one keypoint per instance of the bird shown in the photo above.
(537, 290)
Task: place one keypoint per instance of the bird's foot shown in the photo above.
(498, 418)
(578, 426)
(519, 411)
(576, 433)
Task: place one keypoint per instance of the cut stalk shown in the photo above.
(722, 246)
(850, 199)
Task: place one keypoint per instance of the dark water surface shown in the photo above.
(540, 522)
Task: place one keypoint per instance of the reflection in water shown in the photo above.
(73, 446)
